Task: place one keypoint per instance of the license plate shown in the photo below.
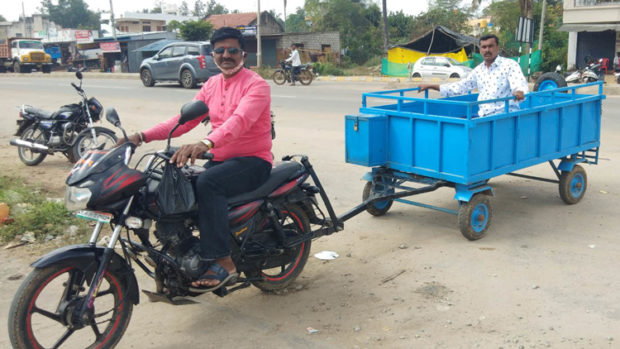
(100, 217)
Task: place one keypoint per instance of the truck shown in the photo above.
(21, 55)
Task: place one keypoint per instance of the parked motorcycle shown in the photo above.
(590, 73)
(282, 75)
(70, 130)
(95, 287)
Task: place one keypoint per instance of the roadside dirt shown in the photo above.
(546, 275)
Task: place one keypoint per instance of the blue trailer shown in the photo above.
(417, 145)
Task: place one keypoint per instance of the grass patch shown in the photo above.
(33, 212)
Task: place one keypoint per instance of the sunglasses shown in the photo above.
(231, 50)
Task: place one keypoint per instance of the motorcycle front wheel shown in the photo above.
(305, 77)
(279, 275)
(86, 142)
(279, 78)
(34, 134)
(44, 310)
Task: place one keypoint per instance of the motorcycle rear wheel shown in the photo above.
(34, 134)
(305, 77)
(295, 222)
(279, 77)
(42, 310)
(85, 142)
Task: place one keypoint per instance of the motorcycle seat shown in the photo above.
(40, 113)
(281, 172)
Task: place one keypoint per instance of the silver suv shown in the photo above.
(188, 62)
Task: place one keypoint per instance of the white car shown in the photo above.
(442, 67)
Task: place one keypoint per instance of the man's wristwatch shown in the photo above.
(208, 143)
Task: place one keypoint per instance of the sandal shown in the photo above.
(220, 274)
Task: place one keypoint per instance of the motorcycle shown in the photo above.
(70, 130)
(95, 288)
(282, 75)
(590, 73)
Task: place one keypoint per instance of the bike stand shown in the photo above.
(160, 297)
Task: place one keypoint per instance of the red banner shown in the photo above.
(112, 46)
(83, 36)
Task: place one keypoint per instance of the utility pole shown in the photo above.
(112, 20)
(385, 28)
(285, 16)
(259, 58)
(542, 24)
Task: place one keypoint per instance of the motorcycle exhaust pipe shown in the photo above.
(29, 145)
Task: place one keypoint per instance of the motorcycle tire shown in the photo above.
(279, 77)
(84, 143)
(41, 311)
(35, 134)
(305, 77)
(550, 80)
(295, 221)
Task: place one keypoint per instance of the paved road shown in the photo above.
(545, 275)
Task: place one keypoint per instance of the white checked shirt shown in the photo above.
(294, 58)
(500, 80)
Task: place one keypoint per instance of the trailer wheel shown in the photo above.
(573, 185)
(549, 81)
(378, 208)
(475, 217)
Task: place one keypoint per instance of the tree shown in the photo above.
(446, 13)
(2, 19)
(213, 8)
(71, 14)
(400, 27)
(199, 9)
(296, 22)
(184, 8)
(196, 30)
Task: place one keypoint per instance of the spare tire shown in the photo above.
(548, 81)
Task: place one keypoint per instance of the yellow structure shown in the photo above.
(406, 56)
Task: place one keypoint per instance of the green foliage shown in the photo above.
(196, 30)
(71, 14)
(213, 8)
(32, 212)
(296, 22)
(174, 25)
(184, 8)
(2, 19)
(327, 69)
(400, 27)
(442, 12)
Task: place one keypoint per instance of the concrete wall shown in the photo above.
(598, 13)
(313, 47)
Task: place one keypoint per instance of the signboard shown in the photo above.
(83, 36)
(525, 30)
(247, 30)
(112, 46)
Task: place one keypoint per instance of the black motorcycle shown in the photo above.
(90, 290)
(70, 130)
(282, 75)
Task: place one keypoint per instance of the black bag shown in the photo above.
(175, 193)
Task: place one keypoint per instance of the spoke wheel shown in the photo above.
(147, 78)
(86, 142)
(44, 311)
(34, 134)
(279, 78)
(305, 77)
(277, 276)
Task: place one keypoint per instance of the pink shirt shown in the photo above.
(240, 111)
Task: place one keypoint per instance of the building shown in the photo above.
(594, 28)
(275, 42)
(134, 22)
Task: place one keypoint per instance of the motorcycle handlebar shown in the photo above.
(79, 89)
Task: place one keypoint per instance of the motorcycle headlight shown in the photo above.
(76, 198)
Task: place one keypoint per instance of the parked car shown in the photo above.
(439, 67)
(188, 62)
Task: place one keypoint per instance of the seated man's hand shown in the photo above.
(519, 95)
(134, 138)
(188, 151)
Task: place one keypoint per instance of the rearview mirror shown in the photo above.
(112, 116)
(192, 110)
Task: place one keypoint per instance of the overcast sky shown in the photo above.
(11, 9)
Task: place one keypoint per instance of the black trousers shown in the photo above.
(214, 186)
